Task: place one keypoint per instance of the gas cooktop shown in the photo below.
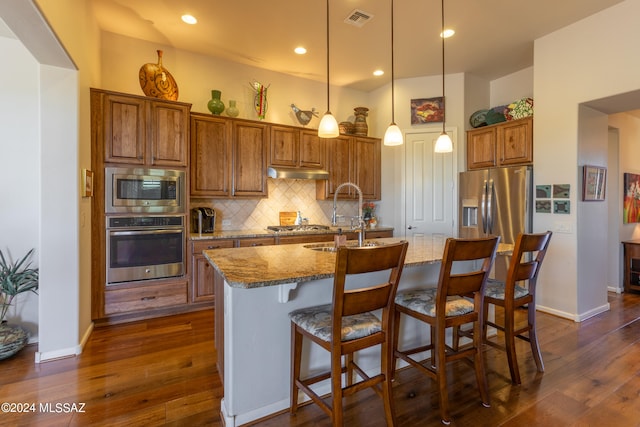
(300, 228)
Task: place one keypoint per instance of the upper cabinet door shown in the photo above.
(284, 146)
(481, 148)
(169, 128)
(515, 142)
(250, 144)
(311, 150)
(210, 156)
(366, 154)
(124, 129)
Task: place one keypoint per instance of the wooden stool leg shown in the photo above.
(387, 390)
(533, 337)
(296, 355)
(441, 372)
(510, 345)
(478, 360)
(336, 389)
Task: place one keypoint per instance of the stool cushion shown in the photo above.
(495, 289)
(423, 301)
(317, 321)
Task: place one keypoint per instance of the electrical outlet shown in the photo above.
(563, 227)
(226, 222)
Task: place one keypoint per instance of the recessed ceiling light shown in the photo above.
(300, 50)
(378, 73)
(188, 19)
(447, 33)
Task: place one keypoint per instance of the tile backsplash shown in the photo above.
(284, 195)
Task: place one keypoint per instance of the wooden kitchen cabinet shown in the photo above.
(138, 130)
(631, 265)
(210, 156)
(145, 296)
(249, 171)
(503, 144)
(294, 147)
(202, 279)
(351, 159)
(228, 157)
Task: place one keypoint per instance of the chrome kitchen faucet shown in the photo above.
(334, 217)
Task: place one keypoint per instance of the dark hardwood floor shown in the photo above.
(162, 372)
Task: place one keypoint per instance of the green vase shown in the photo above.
(215, 105)
(232, 110)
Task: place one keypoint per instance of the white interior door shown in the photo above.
(431, 186)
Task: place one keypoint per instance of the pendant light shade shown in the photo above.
(393, 135)
(328, 127)
(443, 143)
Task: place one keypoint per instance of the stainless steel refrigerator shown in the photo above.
(496, 201)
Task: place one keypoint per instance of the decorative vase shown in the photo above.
(215, 105)
(12, 339)
(232, 110)
(346, 128)
(157, 82)
(360, 126)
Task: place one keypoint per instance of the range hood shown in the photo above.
(296, 173)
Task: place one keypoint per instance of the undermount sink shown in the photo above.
(330, 247)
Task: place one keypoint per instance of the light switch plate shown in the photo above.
(563, 227)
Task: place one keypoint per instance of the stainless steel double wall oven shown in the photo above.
(145, 224)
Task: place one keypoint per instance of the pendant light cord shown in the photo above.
(393, 102)
(328, 56)
(444, 110)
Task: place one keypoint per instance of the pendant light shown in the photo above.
(393, 135)
(328, 127)
(443, 143)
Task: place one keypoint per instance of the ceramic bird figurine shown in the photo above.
(304, 117)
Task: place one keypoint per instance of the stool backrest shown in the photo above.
(482, 250)
(528, 253)
(358, 260)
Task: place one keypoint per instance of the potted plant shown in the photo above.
(15, 278)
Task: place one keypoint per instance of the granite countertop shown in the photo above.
(238, 234)
(254, 267)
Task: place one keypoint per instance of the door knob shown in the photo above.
(411, 227)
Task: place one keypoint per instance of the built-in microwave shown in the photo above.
(139, 190)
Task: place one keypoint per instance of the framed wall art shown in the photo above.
(427, 110)
(87, 183)
(594, 181)
(631, 198)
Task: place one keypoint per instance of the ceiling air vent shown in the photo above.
(358, 18)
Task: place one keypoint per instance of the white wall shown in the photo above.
(512, 87)
(585, 61)
(592, 216)
(196, 75)
(20, 168)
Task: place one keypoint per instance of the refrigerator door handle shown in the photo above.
(483, 206)
(490, 223)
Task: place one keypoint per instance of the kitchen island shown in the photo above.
(261, 285)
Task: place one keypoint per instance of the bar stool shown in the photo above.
(447, 306)
(347, 325)
(528, 253)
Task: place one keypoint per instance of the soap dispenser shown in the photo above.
(298, 220)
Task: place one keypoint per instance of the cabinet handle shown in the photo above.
(256, 244)
(213, 247)
(147, 298)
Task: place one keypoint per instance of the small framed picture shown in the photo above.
(561, 207)
(427, 110)
(594, 182)
(543, 191)
(561, 191)
(543, 206)
(87, 183)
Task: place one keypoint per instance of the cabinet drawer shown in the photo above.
(145, 297)
(258, 241)
(310, 238)
(204, 245)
